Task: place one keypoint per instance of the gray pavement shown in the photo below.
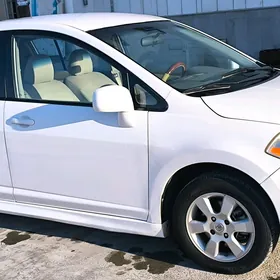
(40, 250)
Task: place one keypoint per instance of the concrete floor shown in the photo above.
(34, 249)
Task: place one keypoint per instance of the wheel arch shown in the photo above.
(188, 173)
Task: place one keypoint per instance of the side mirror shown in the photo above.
(112, 99)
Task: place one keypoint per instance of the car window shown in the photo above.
(143, 96)
(60, 51)
(178, 55)
(47, 46)
(61, 71)
(55, 49)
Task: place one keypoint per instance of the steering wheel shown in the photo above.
(175, 66)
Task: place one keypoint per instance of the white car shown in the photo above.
(140, 124)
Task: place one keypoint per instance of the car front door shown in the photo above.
(61, 152)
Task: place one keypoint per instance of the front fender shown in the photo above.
(193, 134)
(159, 181)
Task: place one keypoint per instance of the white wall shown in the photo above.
(77, 6)
(45, 7)
(175, 7)
(167, 7)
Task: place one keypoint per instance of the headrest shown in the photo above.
(80, 63)
(39, 69)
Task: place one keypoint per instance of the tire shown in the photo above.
(260, 242)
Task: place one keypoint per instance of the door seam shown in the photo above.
(148, 164)
(6, 148)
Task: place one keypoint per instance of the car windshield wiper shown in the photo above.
(248, 70)
(208, 87)
(218, 85)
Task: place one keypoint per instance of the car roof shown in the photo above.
(82, 21)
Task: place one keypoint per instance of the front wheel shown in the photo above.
(221, 223)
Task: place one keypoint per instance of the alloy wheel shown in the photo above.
(220, 227)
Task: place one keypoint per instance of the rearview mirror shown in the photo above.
(112, 99)
(151, 41)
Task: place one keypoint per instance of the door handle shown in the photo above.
(23, 121)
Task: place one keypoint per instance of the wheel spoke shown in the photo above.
(205, 206)
(197, 227)
(243, 226)
(228, 205)
(236, 248)
(227, 233)
(212, 248)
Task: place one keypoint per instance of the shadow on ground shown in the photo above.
(152, 254)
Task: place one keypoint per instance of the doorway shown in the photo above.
(18, 8)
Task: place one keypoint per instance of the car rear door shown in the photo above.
(6, 189)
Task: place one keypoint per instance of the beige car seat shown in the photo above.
(82, 80)
(39, 82)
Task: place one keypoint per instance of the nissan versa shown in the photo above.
(140, 124)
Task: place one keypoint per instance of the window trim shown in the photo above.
(3, 56)
(9, 78)
(127, 74)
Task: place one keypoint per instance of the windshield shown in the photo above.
(180, 56)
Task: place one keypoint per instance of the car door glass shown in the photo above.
(47, 46)
(143, 97)
(43, 79)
